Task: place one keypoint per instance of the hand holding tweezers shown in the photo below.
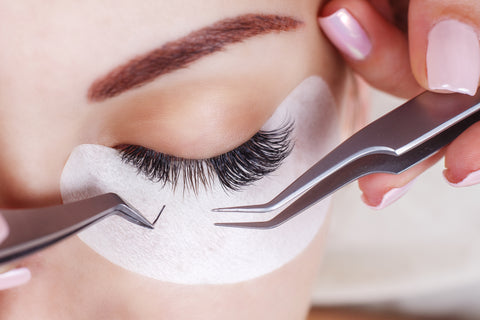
(33, 229)
(391, 144)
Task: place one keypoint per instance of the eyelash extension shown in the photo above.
(249, 162)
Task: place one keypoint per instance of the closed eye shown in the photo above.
(235, 169)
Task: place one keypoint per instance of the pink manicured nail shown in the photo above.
(346, 34)
(3, 229)
(470, 180)
(453, 57)
(14, 278)
(391, 196)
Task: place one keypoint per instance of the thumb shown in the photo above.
(444, 45)
(372, 46)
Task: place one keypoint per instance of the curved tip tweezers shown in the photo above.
(391, 144)
(33, 229)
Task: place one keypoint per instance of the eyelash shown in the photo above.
(251, 161)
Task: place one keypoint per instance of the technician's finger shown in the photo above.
(444, 45)
(381, 189)
(462, 158)
(10, 278)
(372, 46)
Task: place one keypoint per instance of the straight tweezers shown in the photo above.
(392, 144)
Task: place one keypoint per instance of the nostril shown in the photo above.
(29, 178)
(19, 201)
(21, 194)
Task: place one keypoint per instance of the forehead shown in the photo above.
(175, 17)
(55, 49)
(68, 33)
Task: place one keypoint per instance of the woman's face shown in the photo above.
(87, 72)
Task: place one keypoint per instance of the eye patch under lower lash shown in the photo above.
(251, 161)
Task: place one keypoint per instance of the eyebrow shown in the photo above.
(182, 52)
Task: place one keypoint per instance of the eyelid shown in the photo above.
(259, 156)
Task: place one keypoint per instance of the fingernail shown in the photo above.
(3, 229)
(346, 34)
(390, 197)
(471, 179)
(14, 278)
(453, 57)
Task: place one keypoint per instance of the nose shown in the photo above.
(35, 143)
(29, 176)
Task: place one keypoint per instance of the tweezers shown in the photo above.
(392, 144)
(33, 229)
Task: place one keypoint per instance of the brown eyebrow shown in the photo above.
(180, 53)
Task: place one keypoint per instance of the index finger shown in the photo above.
(371, 44)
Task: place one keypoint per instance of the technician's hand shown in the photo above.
(440, 53)
(10, 277)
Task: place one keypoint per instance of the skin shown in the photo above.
(50, 56)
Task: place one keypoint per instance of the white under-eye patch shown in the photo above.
(185, 246)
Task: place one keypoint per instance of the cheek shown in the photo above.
(186, 247)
